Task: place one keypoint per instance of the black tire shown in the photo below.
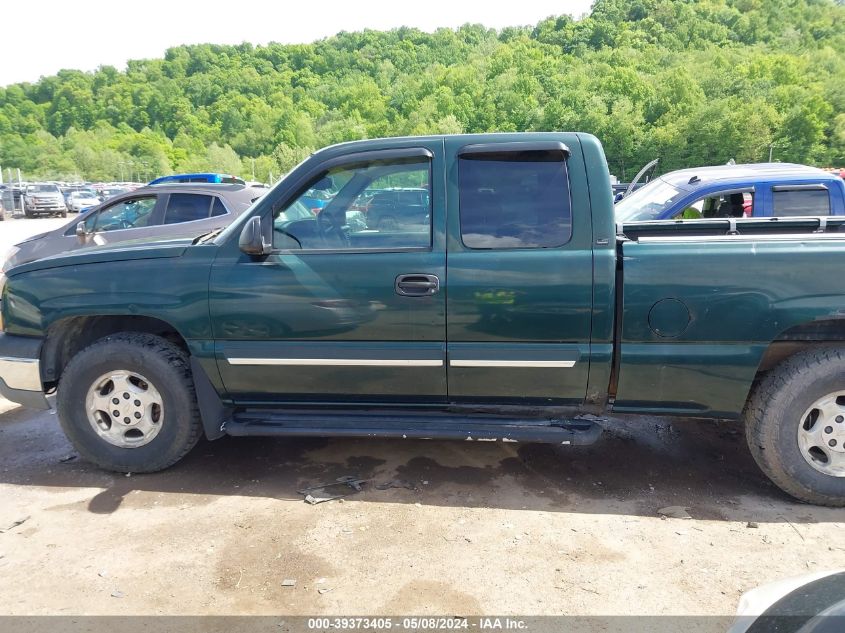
(774, 413)
(166, 366)
(64, 213)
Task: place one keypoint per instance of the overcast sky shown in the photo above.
(40, 37)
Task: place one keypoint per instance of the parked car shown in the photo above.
(80, 200)
(148, 213)
(107, 193)
(208, 177)
(316, 199)
(756, 190)
(520, 314)
(67, 190)
(396, 208)
(44, 199)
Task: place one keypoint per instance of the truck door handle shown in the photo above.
(416, 285)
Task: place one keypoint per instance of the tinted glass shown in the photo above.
(186, 207)
(800, 202)
(127, 214)
(218, 208)
(515, 201)
(375, 205)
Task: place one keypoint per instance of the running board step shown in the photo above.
(275, 423)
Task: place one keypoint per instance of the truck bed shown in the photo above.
(701, 303)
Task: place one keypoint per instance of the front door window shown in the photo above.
(363, 206)
(126, 214)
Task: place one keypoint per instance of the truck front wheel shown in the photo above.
(127, 403)
(795, 426)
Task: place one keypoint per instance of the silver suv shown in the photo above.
(44, 199)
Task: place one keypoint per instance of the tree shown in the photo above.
(692, 82)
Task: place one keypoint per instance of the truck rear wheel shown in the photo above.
(795, 426)
(127, 403)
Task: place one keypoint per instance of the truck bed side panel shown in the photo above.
(699, 315)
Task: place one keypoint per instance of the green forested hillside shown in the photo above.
(690, 81)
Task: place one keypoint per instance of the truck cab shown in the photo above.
(756, 190)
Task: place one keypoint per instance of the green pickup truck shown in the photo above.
(501, 301)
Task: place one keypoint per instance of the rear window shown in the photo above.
(800, 202)
(515, 200)
(186, 207)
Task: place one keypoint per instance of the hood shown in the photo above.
(38, 236)
(120, 251)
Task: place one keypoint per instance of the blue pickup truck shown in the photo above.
(736, 191)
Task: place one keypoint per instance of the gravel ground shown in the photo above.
(491, 528)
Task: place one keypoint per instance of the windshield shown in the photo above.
(42, 189)
(648, 202)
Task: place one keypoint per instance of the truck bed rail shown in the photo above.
(674, 229)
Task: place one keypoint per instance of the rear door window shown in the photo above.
(797, 201)
(187, 207)
(514, 200)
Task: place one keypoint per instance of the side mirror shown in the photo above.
(81, 233)
(252, 240)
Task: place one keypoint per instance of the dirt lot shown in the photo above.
(494, 528)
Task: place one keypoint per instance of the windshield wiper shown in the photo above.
(202, 239)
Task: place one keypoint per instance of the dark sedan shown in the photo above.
(153, 212)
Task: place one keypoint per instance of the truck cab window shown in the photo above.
(514, 200)
(800, 202)
(371, 205)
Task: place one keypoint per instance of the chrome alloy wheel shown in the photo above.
(125, 409)
(821, 434)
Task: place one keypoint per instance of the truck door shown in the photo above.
(348, 307)
(520, 273)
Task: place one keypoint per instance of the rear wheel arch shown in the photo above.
(810, 335)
